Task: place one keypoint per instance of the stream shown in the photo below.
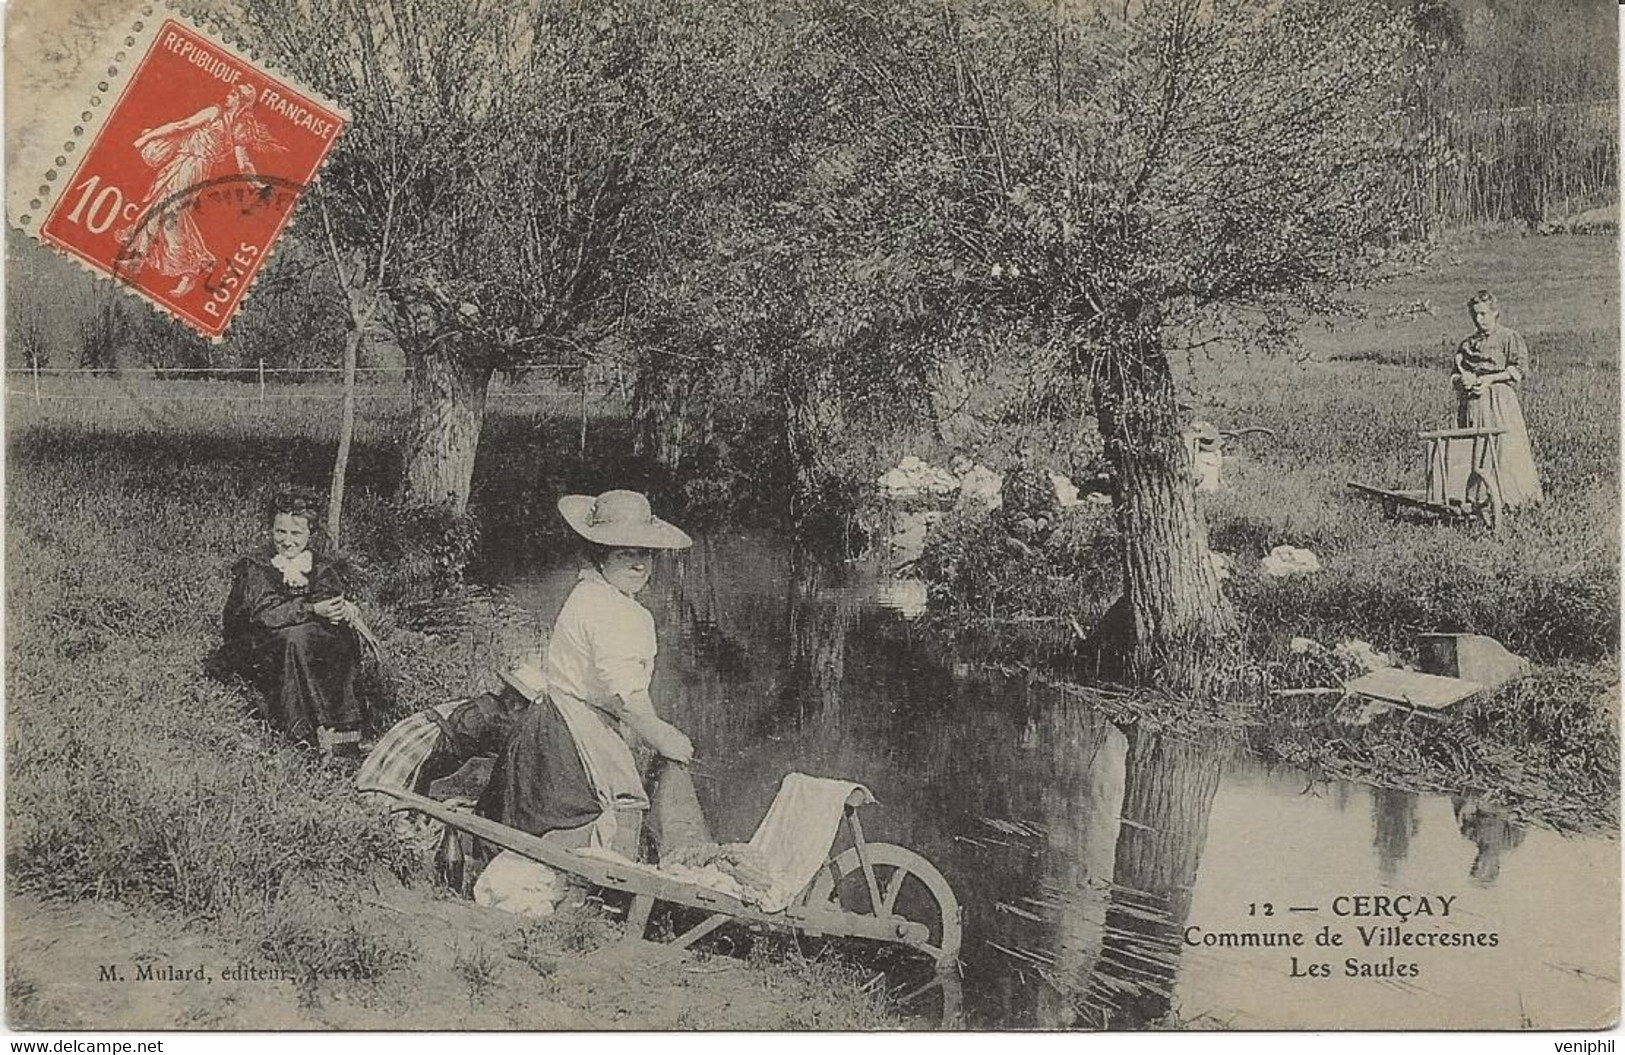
(1096, 866)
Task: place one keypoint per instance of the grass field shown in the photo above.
(133, 777)
(1547, 587)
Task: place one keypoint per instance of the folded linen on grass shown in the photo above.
(517, 884)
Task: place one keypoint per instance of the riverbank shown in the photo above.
(1546, 586)
(103, 965)
(151, 819)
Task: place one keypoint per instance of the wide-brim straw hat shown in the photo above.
(621, 518)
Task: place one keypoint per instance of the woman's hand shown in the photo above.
(638, 712)
(333, 609)
(670, 741)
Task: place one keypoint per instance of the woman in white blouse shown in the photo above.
(567, 771)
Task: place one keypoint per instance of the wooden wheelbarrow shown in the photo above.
(1464, 477)
(874, 891)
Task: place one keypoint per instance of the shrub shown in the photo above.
(420, 551)
(971, 565)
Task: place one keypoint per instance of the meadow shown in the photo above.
(1546, 585)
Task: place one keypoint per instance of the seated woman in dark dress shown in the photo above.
(291, 631)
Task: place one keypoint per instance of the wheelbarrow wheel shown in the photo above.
(911, 887)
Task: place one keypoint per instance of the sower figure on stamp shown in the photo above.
(186, 154)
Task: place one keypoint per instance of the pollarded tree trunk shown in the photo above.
(1172, 596)
(660, 409)
(448, 412)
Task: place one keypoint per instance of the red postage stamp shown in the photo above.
(192, 175)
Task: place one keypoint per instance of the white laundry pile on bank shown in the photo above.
(519, 885)
(983, 486)
(1066, 492)
(912, 477)
(1284, 561)
(1362, 653)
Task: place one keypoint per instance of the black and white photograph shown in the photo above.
(811, 516)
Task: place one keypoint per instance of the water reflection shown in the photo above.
(1168, 790)
(1080, 851)
(1394, 821)
(818, 615)
(1492, 835)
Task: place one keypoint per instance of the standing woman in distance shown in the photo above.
(1489, 365)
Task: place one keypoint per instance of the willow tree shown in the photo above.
(1112, 184)
(496, 190)
(758, 308)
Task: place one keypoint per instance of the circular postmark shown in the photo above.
(197, 217)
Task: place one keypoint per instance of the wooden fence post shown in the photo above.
(35, 365)
(582, 375)
(262, 380)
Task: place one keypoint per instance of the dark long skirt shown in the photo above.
(539, 784)
(307, 673)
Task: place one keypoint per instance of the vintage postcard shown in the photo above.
(812, 515)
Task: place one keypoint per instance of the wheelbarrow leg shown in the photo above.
(637, 917)
(699, 930)
(863, 862)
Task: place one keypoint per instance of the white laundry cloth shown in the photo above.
(519, 885)
(793, 842)
(795, 836)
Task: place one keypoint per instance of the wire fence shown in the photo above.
(574, 390)
(117, 384)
